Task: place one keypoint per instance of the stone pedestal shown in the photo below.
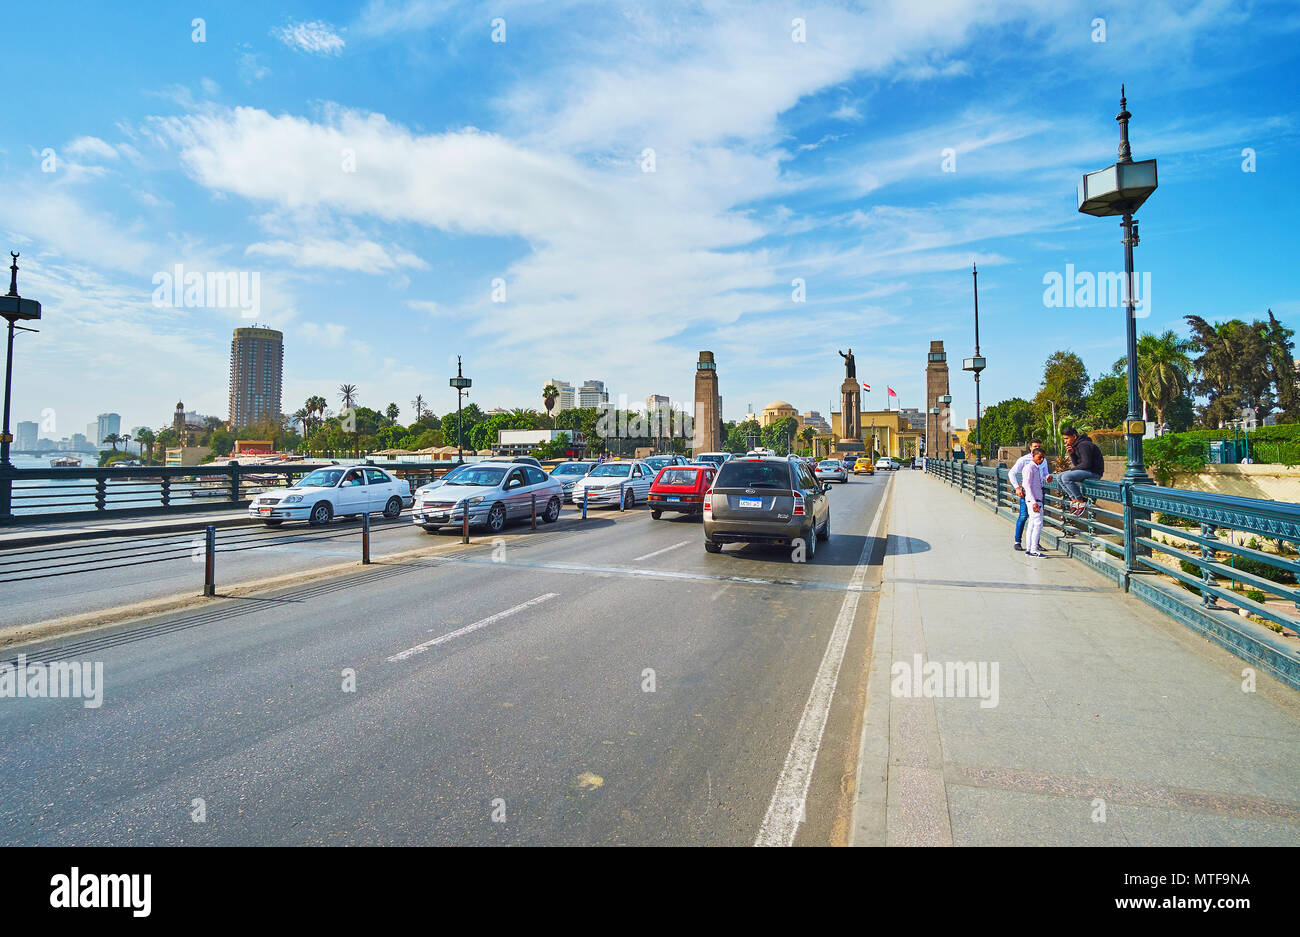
(850, 410)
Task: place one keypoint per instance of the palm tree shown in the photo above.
(392, 411)
(145, 437)
(113, 439)
(348, 395)
(302, 416)
(124, 439)
(549, 393)
(807, 435)
(420, 409)
(1164, 365)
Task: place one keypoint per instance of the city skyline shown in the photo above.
(841, 184)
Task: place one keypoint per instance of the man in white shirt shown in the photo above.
(1034, 484)
(1026, 462)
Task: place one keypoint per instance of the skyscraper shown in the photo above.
(27, 436)
(107, 424)
(256, 375)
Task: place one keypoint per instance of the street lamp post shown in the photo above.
(976, 364)
(946, 400)
(1121, 189)
(462, 385)
(14, 308)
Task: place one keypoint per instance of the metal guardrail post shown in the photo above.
(101, 493)
(166, 491)
(1130, 535)
(622, 499)
(584, 504)
(210, 560)
(533, 499)
(997, 491)
(234, 484)
(464, 522)
(6, 496)
(365, 539)
(1208, 599)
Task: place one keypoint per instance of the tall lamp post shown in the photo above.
(14, 308)
(462, 385)
(1121, 189)
(946, 400)
(976, 364)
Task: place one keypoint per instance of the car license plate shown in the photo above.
(266, 510)
(673, 498)
(750, 502)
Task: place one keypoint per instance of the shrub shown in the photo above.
(1262, 570)
(1191, 569)
(1255, 595)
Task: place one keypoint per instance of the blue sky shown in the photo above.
(524, 161)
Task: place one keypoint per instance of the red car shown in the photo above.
(680, 488)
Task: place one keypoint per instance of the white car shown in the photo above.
(493, 492)
(615, 482)
(337, 491)
(887, 465)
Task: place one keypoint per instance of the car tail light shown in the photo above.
(798, 507)
(708, 505)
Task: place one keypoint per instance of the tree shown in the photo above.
(392, 412)
(1164, 365)
(1107, 403)
(145, 437)
(1007, 423)
(807, 434)
(1232, 368)
(549, 393)
(348, 395)
(1065, 380)
(419, 407)
(1282, 368)
(113, 439)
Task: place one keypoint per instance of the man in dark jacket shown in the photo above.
(1088, 463)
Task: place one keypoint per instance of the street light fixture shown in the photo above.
(1121, 189)
(14, 308)
(462, 385)
(976, 364)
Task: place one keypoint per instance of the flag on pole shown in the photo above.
(891, 391)
(866, 387)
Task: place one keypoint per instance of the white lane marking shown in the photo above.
(657, 552)
(786, 811)
(443, 639)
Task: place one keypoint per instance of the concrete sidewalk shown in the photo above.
(54, 530)
(1113, 724)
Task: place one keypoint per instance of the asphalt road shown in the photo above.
(605, 684)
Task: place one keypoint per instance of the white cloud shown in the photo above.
(91, 148)
(316, 37)
(358, 256)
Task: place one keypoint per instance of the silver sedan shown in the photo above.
(494, 493)
(832, 470)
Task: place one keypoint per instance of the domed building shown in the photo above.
(777, 410)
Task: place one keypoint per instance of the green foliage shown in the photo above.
(1262, 569)
(1173, 452)
(740, 434)
(1255, 595)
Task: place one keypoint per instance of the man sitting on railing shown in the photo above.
(1088, 463)
(1017, 477)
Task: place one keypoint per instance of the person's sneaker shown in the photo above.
(1078, 508)
(1038, 556)
(1018, 547)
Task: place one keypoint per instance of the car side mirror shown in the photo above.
(826, 489)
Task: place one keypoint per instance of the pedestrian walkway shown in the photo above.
(1101, 722)
(52, 529)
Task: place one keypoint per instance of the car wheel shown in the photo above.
(321, 514)
(656, 514)
(552, 511)
(711, 547)
(393, 507)
(272, 523)
(810, 541)
(826, 529)
(631, 499)
(496, 519)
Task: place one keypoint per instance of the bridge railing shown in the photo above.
(30, 495)
(1239, 550)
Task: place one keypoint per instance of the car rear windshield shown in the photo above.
(746, 474)
(571, 468)
(685, 477)
(609, 469)
(829, 463)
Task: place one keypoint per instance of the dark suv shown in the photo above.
(766, 500)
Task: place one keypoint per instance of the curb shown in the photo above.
(36, 540)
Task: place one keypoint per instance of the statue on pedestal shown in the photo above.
(850, 366)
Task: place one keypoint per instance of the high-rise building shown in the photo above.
(566, 400)
(655, 402)
(256, 375)
(708, 406)
(936, 386)
(92, 433)
(27, 436)
(592, 394)
(107, 424)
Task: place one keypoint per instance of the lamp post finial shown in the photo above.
(1125, 154)
(13, 274)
